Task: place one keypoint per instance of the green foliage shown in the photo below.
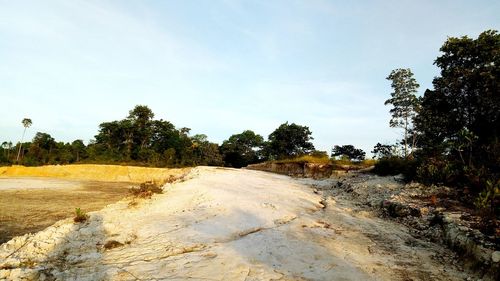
(437, 171)
(348, 152)
(383, 151)
(141, 139)
(389, 166)
(242, 149)
(80, 216)
(488, 200)
(288, 141)
(404, 101)
(459, 122)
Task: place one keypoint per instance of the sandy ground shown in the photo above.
(225, 224)
(32, 204)
(94, 172)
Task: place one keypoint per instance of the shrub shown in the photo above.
(437, 171)
(390, 166)
(487, 200)
(146, 190)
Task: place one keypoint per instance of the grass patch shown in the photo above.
(324, 160)
(305, 159)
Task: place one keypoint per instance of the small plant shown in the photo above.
(487, 200)
(80, 216)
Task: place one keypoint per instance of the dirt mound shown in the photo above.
(91, 172)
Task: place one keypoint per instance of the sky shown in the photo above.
(222, 67)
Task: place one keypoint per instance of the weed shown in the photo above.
(80, 216)
(27, 263)
(487, 200)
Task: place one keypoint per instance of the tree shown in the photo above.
(205, 152)
(460, 117)
(166, 140)
(26, 123)
(78, 149)
(382, 151)
(9, 148)
(41, 147)
(348, 151)
(242, 149)
(289, 140)
(141, 117)
(404, 101)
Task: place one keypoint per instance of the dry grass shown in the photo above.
(326, 160)
(88, 186)
(146, 190)
(92, 172)
(30, 210)
(306, 159)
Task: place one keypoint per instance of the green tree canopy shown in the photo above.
(467, 94)
(348, 151)
(242, 149)
(289, 140)
(459, 122)
(382, 150)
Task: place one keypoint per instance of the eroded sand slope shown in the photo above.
(224, 224)
(94, 172)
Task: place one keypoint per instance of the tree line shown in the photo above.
(140, 139)
(451, 134)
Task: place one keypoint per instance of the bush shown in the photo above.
(436, 171)
(390, 166)
(487, 200)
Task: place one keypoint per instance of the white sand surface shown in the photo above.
(225, 224)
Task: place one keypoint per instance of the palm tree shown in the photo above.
(5, 145)
(26, 123)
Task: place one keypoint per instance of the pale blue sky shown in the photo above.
(221, 67)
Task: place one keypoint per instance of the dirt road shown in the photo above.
(224, 224)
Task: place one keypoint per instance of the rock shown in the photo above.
(4, 274)
(495, 257)
(396, 209)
